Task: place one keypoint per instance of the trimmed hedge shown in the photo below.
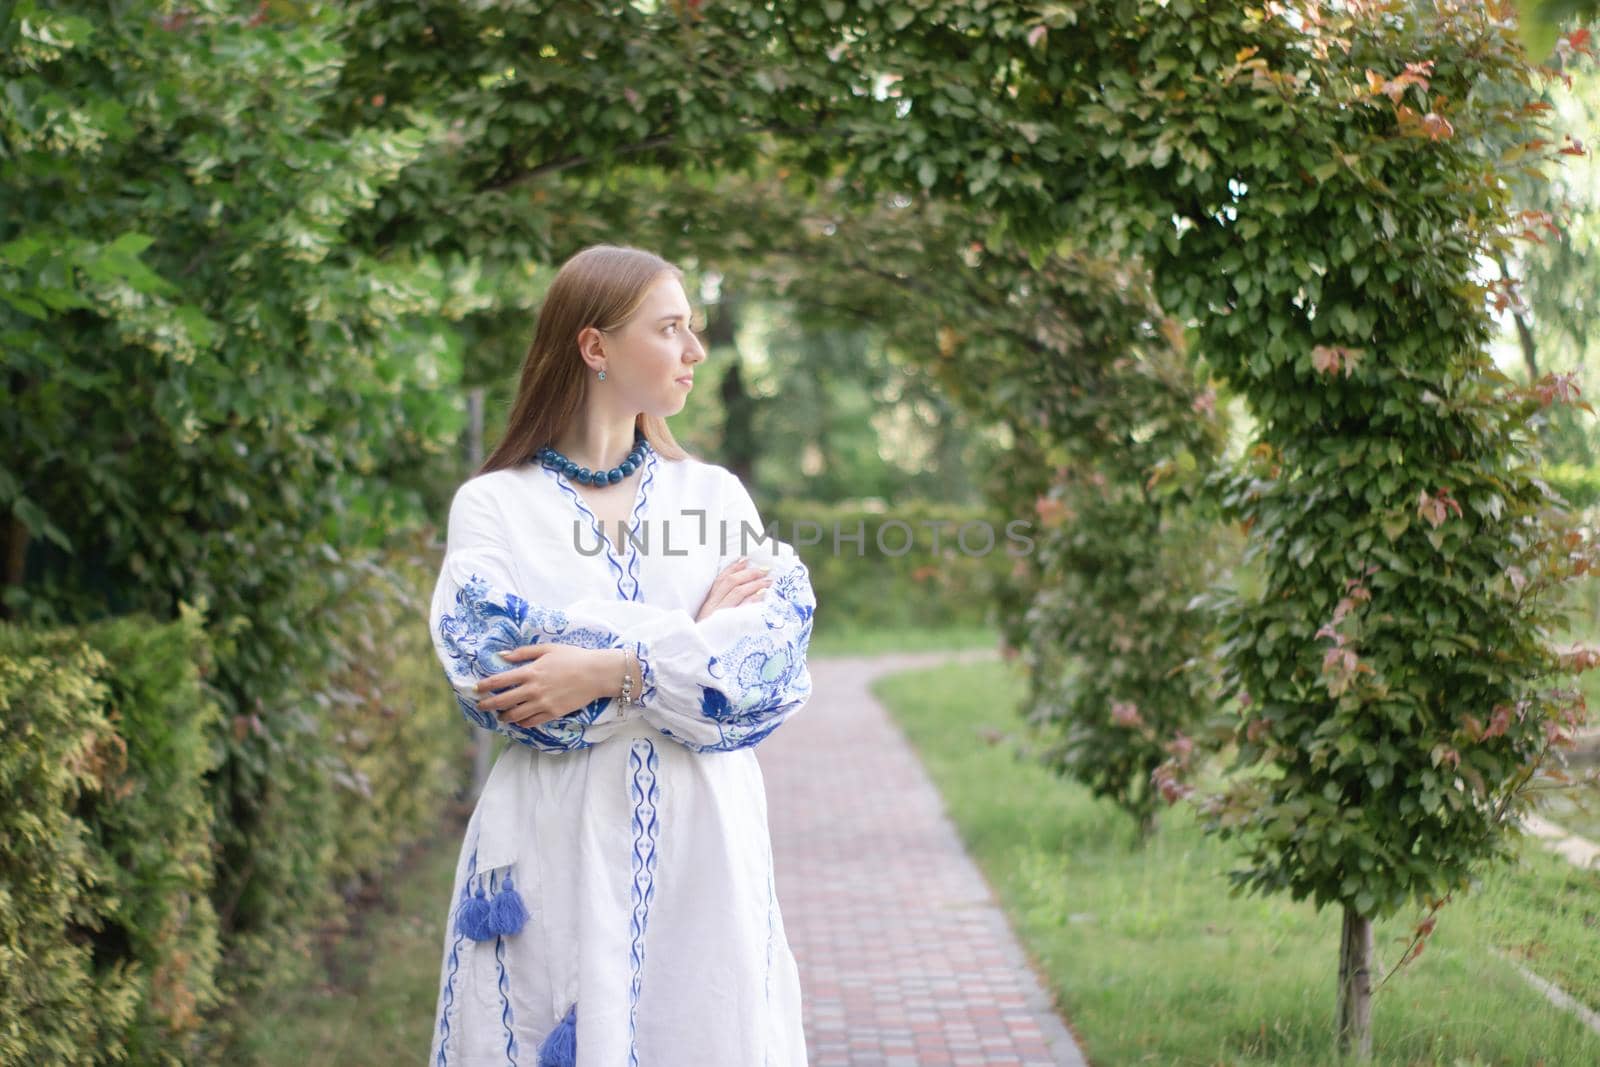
(894, 577)
(1577, 484)
(108, 941)
(380, 753)
(391, 716)
(111, 948)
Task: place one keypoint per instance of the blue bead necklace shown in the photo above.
(556, 461)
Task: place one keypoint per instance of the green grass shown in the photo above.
(1153, 962)
(370, 998)
(843, 639)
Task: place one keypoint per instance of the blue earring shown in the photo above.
(602, 375)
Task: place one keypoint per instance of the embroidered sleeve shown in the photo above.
(728, 681)
(478, 613)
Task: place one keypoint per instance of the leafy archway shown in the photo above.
(233, 205)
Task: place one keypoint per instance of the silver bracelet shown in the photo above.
(627, 676)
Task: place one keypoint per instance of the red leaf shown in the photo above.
(1437, 126)
(1125, 713)
(1499, 722)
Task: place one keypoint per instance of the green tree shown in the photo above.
(204, 377)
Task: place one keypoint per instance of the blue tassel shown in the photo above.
(506, 911)
(473, 918)
(560, 1048)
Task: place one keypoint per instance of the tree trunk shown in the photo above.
(1530, 355)
(1355, 986)
(740, 445)
(16, 557)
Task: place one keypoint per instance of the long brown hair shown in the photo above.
(601, 286)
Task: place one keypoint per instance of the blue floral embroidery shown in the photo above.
(713, 704)
(632, 591)
(643, 760)
(793, 589)
(504, 987)
(483, 627)
(762, 678)
(761, 672)
(448, 999)
(647, 674)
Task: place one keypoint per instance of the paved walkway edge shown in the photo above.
(1062, 1041)
(907, 958)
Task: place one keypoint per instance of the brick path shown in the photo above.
(905, 957)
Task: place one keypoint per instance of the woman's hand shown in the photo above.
(739, 583)
(552, 680)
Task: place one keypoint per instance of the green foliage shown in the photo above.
(1579, 486)
(862, 419)
(1547, 290)
(1111, 432)
(206, 378)
(382, 751)
(916, 563)
(395, 753)
(108, 942)
(1074, 370)
(54, 752)
(251, 253)
(1540, 21)
(1119, 701)
(1394, 694)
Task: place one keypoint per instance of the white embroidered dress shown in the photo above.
(645, 928)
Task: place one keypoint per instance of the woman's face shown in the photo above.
(650, 360)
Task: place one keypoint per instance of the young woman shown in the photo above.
(614, 607)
